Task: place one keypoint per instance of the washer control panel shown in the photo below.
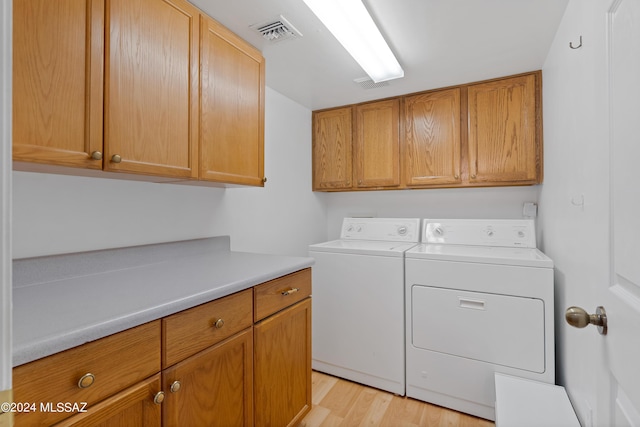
(387, 229)
(512, 233)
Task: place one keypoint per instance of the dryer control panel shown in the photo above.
(387, 229)
(511, 233)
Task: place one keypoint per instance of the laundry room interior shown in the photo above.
(578, 207)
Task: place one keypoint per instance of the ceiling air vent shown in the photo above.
(367, 83)
(277, 30)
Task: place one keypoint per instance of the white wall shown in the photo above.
(575, 236)
(61, 214)
(501, 202)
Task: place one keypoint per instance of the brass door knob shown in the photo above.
(175, 386)
(96, 155)
(579, 318)
(218, 323)
(116, 158)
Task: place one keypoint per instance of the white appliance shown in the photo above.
(358, 301)
(479, 300)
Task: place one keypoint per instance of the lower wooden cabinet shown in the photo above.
(89, 374)
(241, 360)
(212, 388)
(137, 406)
(283, 366)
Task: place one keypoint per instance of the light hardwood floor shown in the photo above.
(337, 402)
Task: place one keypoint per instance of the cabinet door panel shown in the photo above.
(332, 145)
(216, 386)
(503, 145)
(432, 138)
(57, 81)
(151, 87)
(377, 144)
(283, 366)
(232, 108)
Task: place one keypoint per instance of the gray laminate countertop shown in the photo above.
(62, 301)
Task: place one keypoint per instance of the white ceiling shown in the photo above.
(438, 43)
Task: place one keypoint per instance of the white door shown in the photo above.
(619, 381)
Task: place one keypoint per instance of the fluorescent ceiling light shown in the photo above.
(352, 25)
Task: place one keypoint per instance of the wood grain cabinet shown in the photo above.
(332, 149)
(232, 107)
(482, 134)
(152, 89)
(376, 155)
(58, 58)
(432, 141)
(282, 346)
(91, 373)
(504, 131)
(208, 364)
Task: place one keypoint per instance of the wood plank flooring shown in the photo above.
(337, 402)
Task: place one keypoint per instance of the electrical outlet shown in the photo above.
(529, 210)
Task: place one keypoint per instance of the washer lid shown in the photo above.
(363, 247)
(526, 257)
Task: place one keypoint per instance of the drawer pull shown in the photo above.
(175, 387)
(474, 304)
(218, 323)
(158, 398)
(290, 291)
(86, 380)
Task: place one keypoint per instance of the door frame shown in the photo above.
(6, 21)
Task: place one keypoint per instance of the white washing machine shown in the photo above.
(358, 301)
(479, 300)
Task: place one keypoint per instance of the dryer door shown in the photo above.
(498, 329)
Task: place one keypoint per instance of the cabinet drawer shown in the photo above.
(195, 329)
(274, 295)
(115, 362)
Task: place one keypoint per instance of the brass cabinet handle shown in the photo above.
(116, 158)
(158, 398)
(473, 176)
(96, 155)
(264, 179)
(290, 291)
(218, 323)
(456, 176)
(175, 387)
(86, 380)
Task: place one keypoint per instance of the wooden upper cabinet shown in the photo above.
(151, 87)
(432, 143)
(57, 81)
(332, 145)
(377, 144)
(504, 134)
(231, 107)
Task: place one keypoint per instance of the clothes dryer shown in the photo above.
(479, 300)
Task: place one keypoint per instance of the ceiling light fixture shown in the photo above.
(351, 24)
